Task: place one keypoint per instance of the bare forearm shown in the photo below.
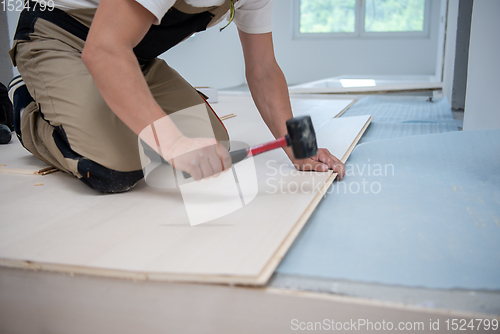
(266, 81)
(117, 28)
(270, 93)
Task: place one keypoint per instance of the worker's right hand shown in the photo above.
(200, 157)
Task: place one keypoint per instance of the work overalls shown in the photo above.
(69, 125)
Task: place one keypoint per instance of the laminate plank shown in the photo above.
(15, 159)
(146, 233)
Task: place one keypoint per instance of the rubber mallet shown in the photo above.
(301, 138)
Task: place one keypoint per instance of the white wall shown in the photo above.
(214, 58)
(308, 60)
(12, 18)
(483, 77)
(5, 64)
(210, 58)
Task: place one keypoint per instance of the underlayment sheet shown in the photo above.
(394, 117)
(421, 211)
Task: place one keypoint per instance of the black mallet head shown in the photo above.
(302, 137)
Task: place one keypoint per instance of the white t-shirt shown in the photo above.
(251, 16)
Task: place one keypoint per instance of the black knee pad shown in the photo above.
(107, 180)
(95, 175)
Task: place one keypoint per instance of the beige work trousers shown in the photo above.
(70, 126)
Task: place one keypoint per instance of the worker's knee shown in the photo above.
(96, 173)
(107, 180)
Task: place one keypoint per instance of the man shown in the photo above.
(95, 90)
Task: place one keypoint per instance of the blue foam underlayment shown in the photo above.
(435, 221)
(398, 118)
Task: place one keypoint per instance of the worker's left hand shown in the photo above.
(321, 162)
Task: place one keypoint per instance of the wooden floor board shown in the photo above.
(146, 233)
(14, 159)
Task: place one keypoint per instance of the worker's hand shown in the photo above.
(321, 162)
(200, 157)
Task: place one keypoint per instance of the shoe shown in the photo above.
(20, 98)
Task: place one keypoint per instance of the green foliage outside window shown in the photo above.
(394, 15)
(339, 16)
(317, 16)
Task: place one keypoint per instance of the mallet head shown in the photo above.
(302, 137)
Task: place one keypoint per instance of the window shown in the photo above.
(360, 18)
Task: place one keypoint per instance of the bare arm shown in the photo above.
(270, 93)
(118, 26)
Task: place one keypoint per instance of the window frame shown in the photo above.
(359, 27)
